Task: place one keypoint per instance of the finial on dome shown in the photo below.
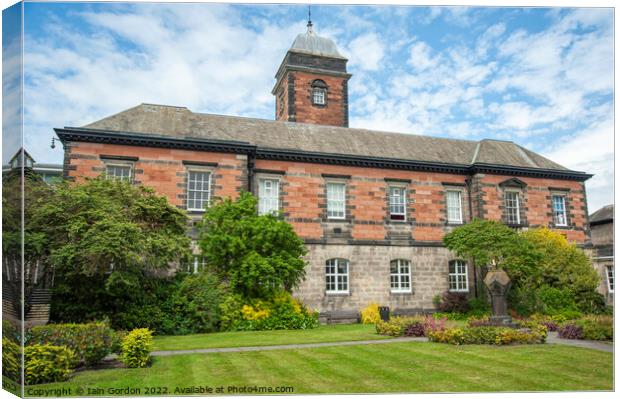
(310, 31)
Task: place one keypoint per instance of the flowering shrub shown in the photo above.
(570, 331)
(598, 328)
(416, 326)
(136, 348)
(489, 335)
(91, 342)
(370, 314)
(282, 312)
(47, 363)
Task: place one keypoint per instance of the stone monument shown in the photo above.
(498, 284)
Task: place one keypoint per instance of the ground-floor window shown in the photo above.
(610, 278)
(337, 276)
(457, 276)
(400, 275)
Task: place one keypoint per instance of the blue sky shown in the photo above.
(538, 76)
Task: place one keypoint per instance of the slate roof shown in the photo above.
(311, 43)
(180, 122)
(603, 215)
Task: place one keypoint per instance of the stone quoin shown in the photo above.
(371, 206)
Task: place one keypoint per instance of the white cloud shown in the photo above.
(420, 57)
(591, 150)
(366, 51)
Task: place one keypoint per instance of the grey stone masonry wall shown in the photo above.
(369, 277)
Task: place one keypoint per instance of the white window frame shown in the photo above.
(198, 261)
(207, 201)
(331, 202)
(402, 279)
(609, 273)
(338, 277)
(459, 194)
(517, 207)
(402, 202)
(266, 203)
(460, 270)
(109, 176)
(318, 96)
(560, 212)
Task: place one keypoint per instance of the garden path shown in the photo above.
(551, 339)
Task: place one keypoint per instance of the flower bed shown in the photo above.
(597, 328)
(487, 335)
(416, 326)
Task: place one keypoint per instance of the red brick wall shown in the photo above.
(303, 191)
(160, 168)
(536, 197)
(330, 114)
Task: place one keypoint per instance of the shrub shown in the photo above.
(370, 314)
(282, 312)
(415, 329)
(11, 359)
(48, 363)
(136, 348)
(454, 302)
(478, 307)
(230, 312)
(10, 331)
(91, 342)
(117, 340)
(416, 326)
(598, 328)
(194, 307)
(455, 316)
(570, 330)
(490, 335)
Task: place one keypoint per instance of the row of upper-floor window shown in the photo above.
(199, 195)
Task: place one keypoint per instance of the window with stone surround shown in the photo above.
(336, 200)
(454, 206)
(400, 275)
(457, 276)
(198, 190)
(610, 278)
(117, 171)
(268, 196)
(319, 92)
(559, 210)
(512, 207)
(337, 276)
(398, 204)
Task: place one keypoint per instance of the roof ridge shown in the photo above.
(349, 129)
(526, 155)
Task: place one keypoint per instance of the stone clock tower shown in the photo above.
(311, 83)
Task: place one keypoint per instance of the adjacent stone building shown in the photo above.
(602, 230)
(372, 206)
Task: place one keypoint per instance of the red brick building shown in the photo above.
(371, 206)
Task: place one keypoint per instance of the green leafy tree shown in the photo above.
(490, 243)
(563, 274)
(104, 225)
(258, 255)
(107, 240)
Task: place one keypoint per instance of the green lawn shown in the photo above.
(329, 333)
(397, 367)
